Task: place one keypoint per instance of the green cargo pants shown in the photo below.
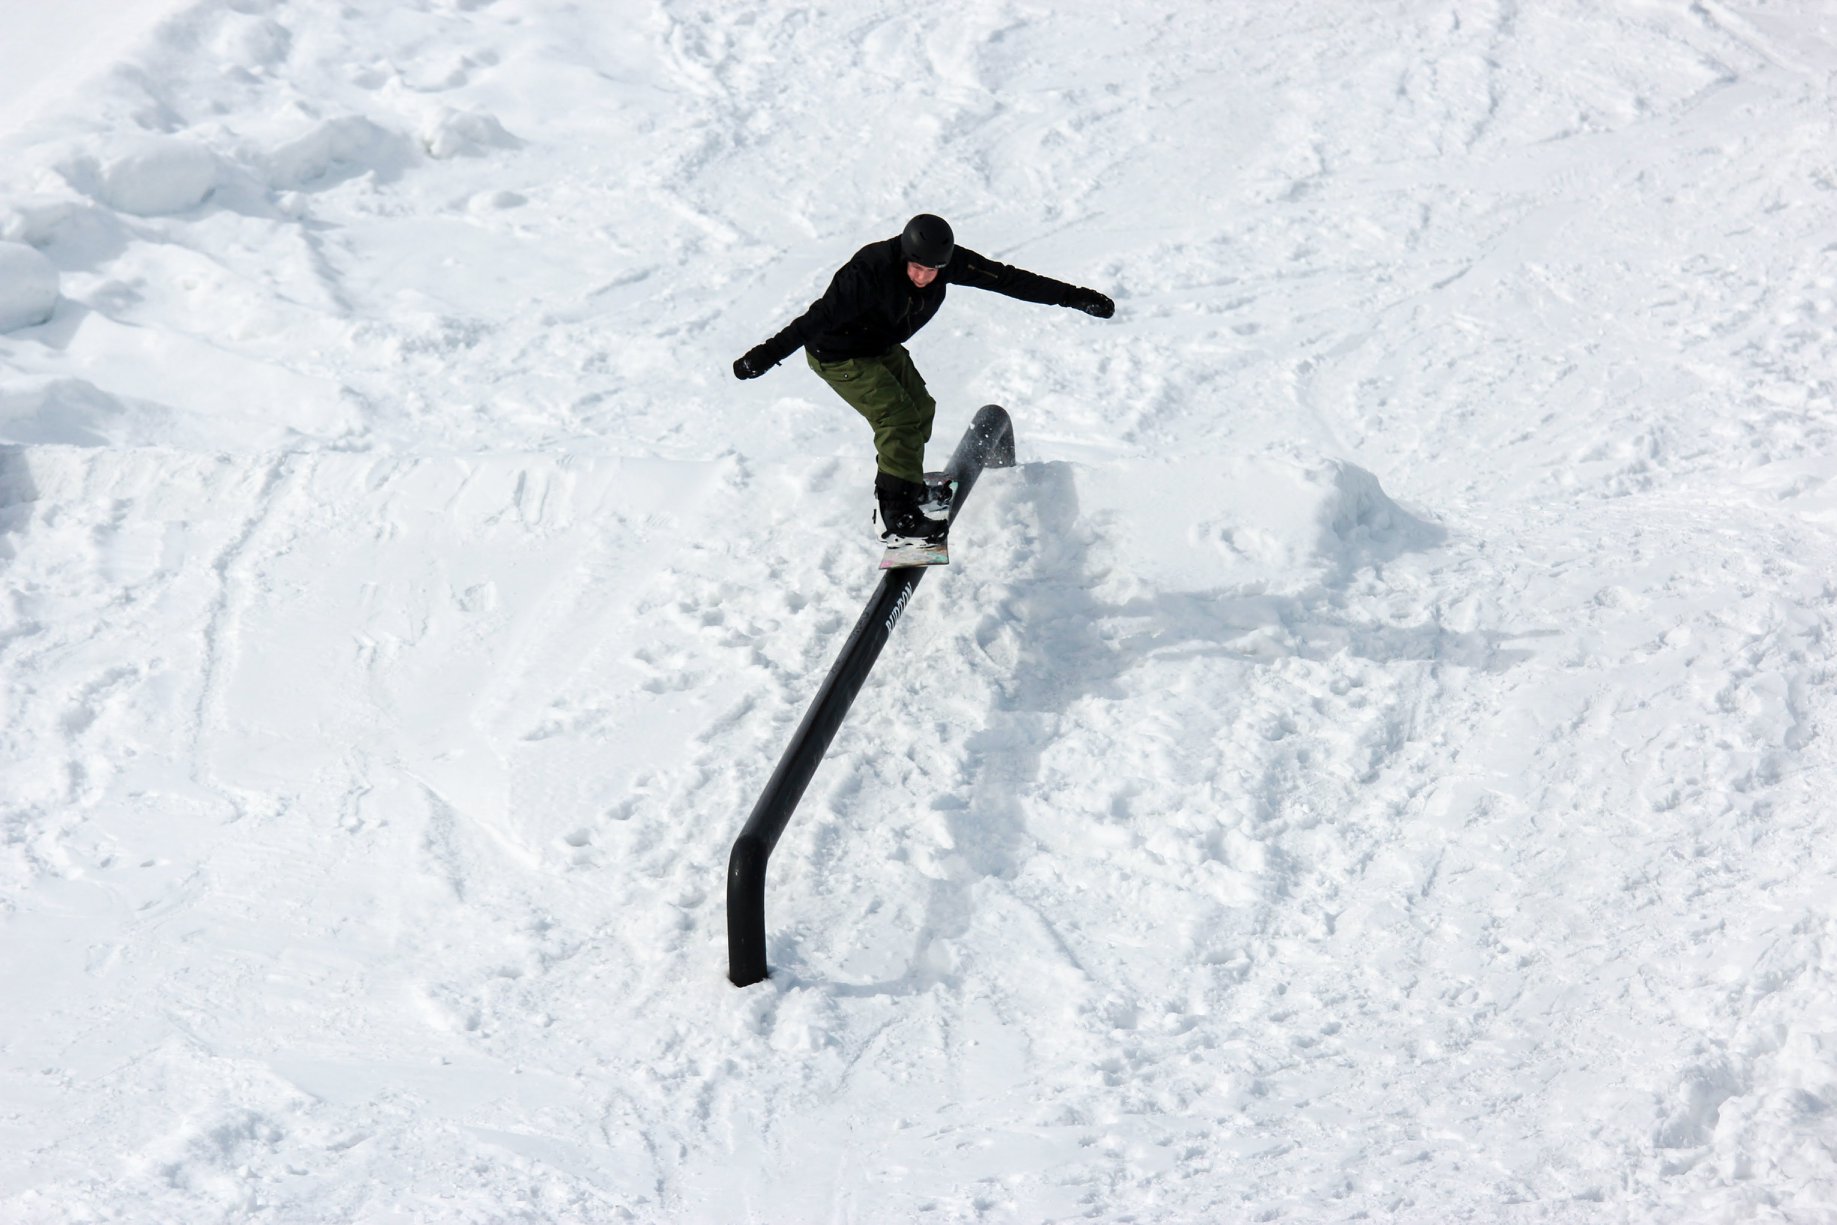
(888, 391)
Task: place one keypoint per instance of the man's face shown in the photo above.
(921, 274)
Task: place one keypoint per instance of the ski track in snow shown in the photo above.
(1367, 761)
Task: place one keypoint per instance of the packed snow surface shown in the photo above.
(1372, 759)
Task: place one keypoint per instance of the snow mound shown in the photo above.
(1226, 522)
(33, 218)
(28, 286)
(151, 176)
(333, 151)
(75, 413)
(465, 134)
(1363, 524)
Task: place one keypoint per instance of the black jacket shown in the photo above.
(872, 305)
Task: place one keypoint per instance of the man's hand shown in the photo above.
(754, 364)
(1092, 303)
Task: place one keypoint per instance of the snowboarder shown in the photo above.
(854, 338)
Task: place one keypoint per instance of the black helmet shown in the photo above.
(928, 241)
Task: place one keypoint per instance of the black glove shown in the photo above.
(1092, 303)
(754, 364)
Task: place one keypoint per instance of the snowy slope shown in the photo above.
(1370, 760)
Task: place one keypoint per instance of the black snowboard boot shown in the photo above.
(899, 515)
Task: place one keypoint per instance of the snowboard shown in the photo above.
(900, 556)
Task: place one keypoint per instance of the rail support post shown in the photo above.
(988, 443)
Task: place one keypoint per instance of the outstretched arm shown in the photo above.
(841, 301)
(981, 272)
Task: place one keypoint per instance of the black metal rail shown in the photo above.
(988, 443)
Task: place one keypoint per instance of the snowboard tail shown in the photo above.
(915, 553)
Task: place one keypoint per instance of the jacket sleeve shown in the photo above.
(981, 272)
(842, 302)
